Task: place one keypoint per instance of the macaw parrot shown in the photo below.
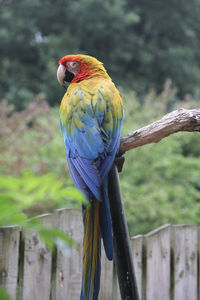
(91, 115)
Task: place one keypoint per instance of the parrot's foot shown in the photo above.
(119, 162)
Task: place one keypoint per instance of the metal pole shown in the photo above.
(122, 250)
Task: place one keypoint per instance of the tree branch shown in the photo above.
(178, 120)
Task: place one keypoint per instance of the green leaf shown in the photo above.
(4, 295)
(55, 236)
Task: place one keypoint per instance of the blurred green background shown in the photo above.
(151, 50)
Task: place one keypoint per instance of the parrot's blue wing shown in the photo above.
(88, 171)
(91, 133)
(83, 145)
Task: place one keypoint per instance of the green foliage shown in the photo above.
(31, 140)
(4, 295)
(54, 236)
(33, 195)
(163, 187)
(160, 182)
(139, 48)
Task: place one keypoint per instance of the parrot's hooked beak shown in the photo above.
(64, 75)
(61, 74)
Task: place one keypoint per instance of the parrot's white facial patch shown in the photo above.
(73, 67)
(72, 64)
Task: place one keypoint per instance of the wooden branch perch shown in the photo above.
(178, 120)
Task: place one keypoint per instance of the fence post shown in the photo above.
(122, 249)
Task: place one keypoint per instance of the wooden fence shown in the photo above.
(166, 263)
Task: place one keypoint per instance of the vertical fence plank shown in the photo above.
(36, 282)
(185, 262)
(9, 254)
(106, 277)
(158, 264)
(116, 292)
(67, 277)
(137, 251)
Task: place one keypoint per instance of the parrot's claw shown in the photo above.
(119, 162)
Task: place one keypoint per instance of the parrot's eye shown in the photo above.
(72, 64)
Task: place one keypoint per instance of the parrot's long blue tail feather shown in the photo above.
(91, 252)
(106, 223)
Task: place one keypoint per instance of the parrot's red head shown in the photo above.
(75, 68)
